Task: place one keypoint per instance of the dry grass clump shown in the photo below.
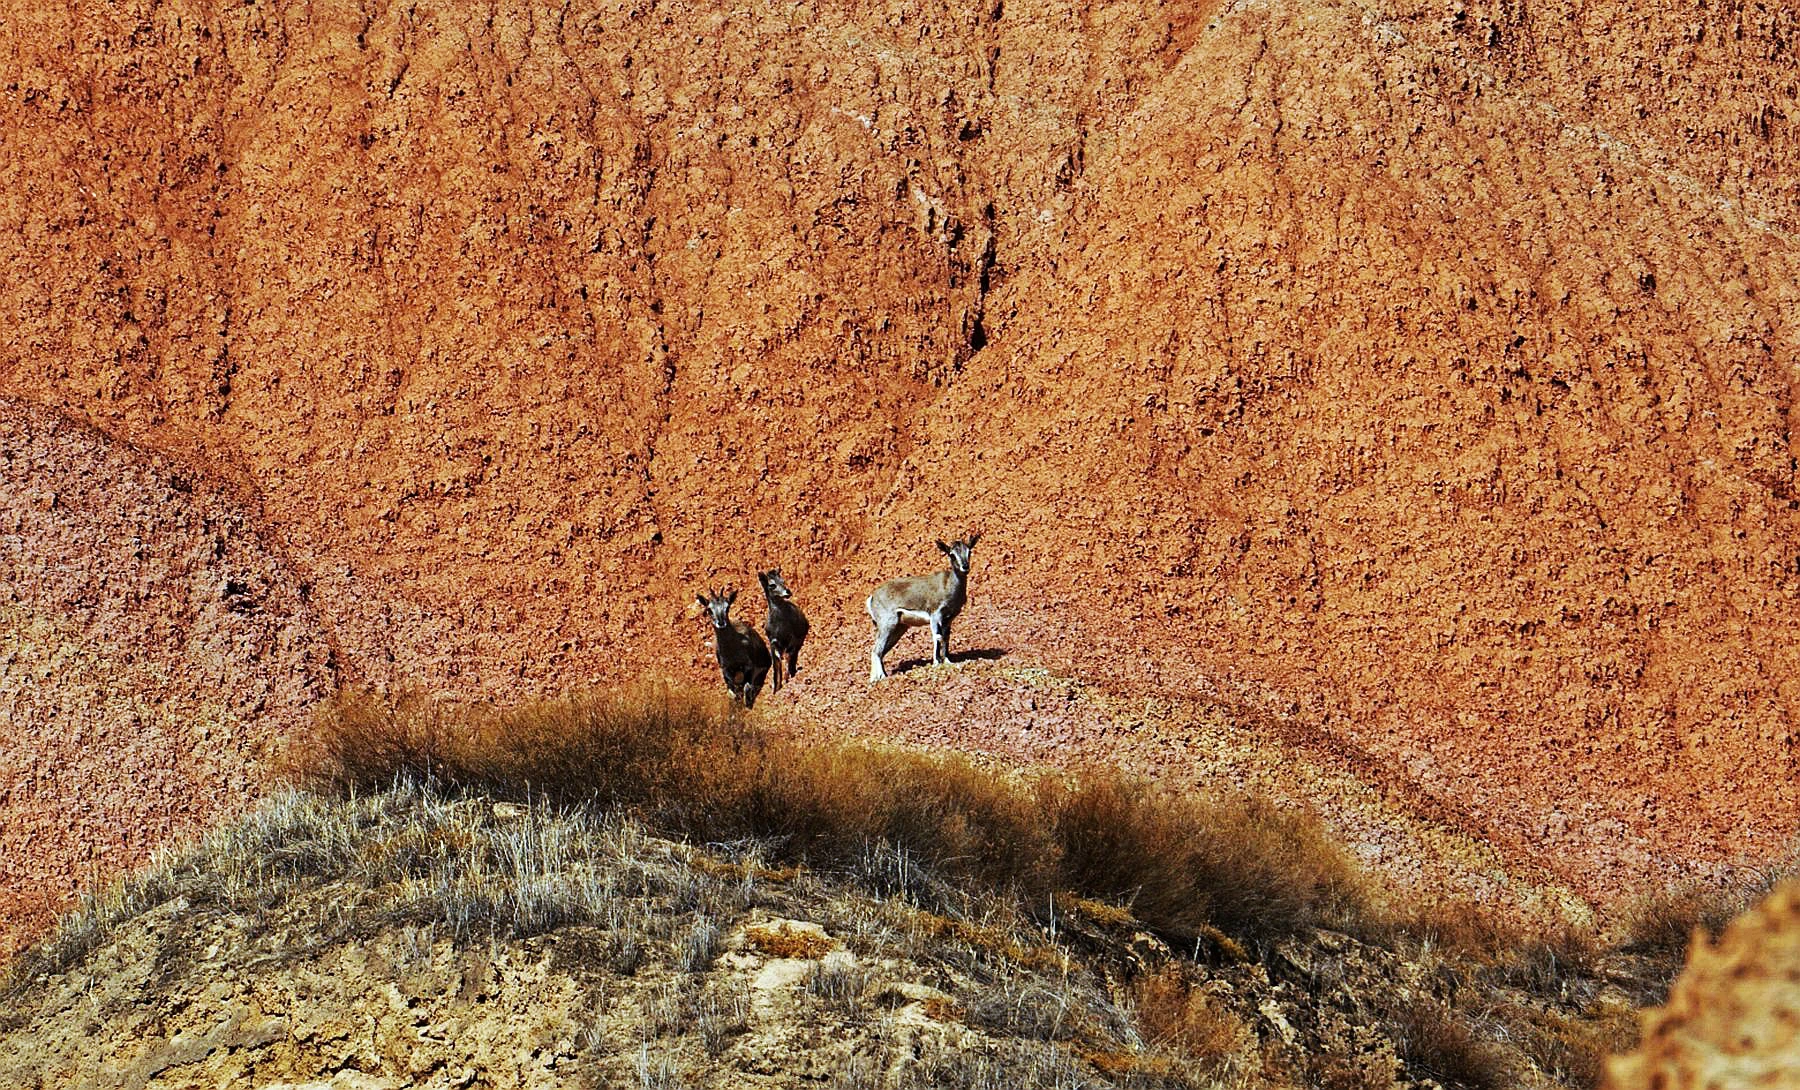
(1556, 959)
(1662, 924)
(1018, 1005)
(1184, 866)
(1032, 1066)
(1553, 940)
(1098, 912)
(290, 836)
(1187, 864)
(1524, 995)
(91, 925)
(722, 1018)
(699, 946)
(432, 858)
(1175, 1014)
(304, 873)
(1349, 1072)
(787, 941)
(1440, 1042)
(1133, 1065)
(1016, 902)
(840, 983)
(661, 747)
(971, 937)
(1572, 1048)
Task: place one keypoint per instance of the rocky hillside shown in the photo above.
(1410, 379)
(419, 938)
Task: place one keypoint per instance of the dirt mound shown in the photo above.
(1730, 1021)
(153, 652)
(1415, 377)
(408, 936)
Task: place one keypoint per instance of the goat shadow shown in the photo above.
(978, 654)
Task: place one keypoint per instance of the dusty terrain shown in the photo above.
(1401, 385)
(411, 938)
(152, 655)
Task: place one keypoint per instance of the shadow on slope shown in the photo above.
(1193, 869)
(1236, 943)
(979, 654)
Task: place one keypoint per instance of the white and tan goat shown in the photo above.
(934, 600)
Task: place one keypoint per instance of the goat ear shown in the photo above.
(731, 596)
(943, 548)
(973, 538)
(701, 598)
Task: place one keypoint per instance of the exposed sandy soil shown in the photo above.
(1404, 386)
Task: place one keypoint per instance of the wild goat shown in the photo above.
(786, 625)
(743, 657)
(934, 599)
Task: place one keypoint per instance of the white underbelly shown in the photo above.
(912, 617)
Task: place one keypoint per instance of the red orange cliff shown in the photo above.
(1413, 378)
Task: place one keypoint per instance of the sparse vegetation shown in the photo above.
(700, 947)
(1663, 923)
(413, 866)
(1175, 1013)
(723, 1018)
(1186, 867)
(838, 982)
(1438, 1040)
(1080, 931)
(787, 941)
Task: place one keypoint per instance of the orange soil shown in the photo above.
(1411, 381)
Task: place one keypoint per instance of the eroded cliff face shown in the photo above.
(153, 652)
(1420, 371)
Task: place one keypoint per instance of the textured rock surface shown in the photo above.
(408, 1008)
(153, 652)
(1418, 371)
(661, 965)
(412, 939)
(1733, 1019)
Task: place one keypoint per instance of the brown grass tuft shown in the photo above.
(1572, 1047)
(1225, 945)
(1553, 958)
(787, 942)
(1116, 1064)
(1173, 1014)
(1438, 1041)
(995, 940)
(1664, 923)
(1183, 866)
(1098, 912)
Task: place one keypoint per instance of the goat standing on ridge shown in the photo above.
(934, 600)
(786, 625)
(743, 657)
